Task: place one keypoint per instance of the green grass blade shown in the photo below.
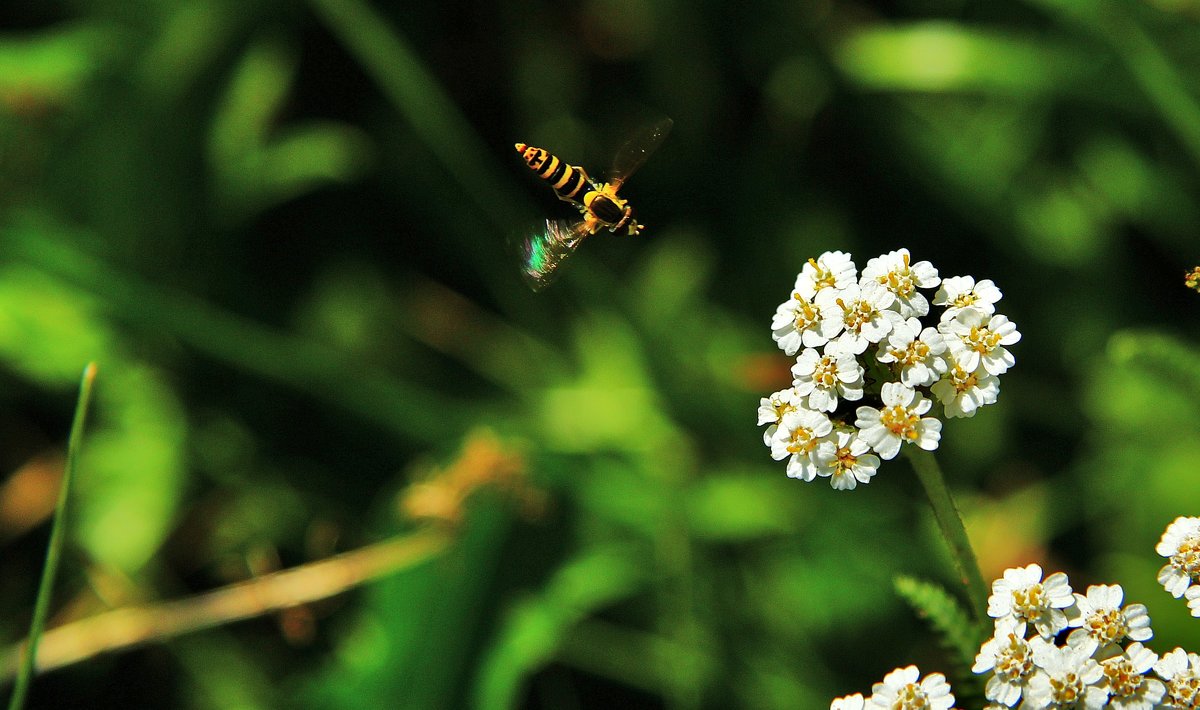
(54, 549)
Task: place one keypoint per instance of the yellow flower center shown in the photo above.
(913, 353)
(845, 461)
(962, 380)
(900, 421)
(911, 697)
(964, 300)
(1030, 603)
(781, 408)
(1187, 559)
(1016, 660)
(1183, 691)
(982, 340)
(1066, 691)
(805, 312)
(1107, 626)
(825, 374)
(1123, 678)
(823, 278)
(899, 281)
(857, 314)
(803, 441)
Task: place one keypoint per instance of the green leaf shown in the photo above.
(941, 56)
(741, 508)
(535, 628)
(957, 634)
(135, 461)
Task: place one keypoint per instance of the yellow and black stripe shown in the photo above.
(568, 181)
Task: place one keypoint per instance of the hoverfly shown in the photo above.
(544, 251)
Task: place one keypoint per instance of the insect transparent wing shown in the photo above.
(544, 251)
(631, 155)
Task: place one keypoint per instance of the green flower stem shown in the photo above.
(54, 549)
(951, 524)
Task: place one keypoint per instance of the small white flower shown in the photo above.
(959, 292)
(1193, 599)
(917, 352)
(1022, 595)
(833, 270)
(800, 436)
(901, 690)
(1129, 688)
(1067, 678)
(1009, 657)
(1102, 618)
(893, 272)
(771, 410)
(800, 322)
(863, 312)
(822, 378)
(1180, 544)
(973, 340)
(962, 393)
(852, 463)
(849, 702)
(1181, 671)
(899, 422)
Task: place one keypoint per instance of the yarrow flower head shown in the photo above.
(1023, 596)
(905, 689)
(916, 352)
(881, 361)
(865, 311)
(833, 269)
(899, 422)
(974, 340)
(821, 378)
(1032, 663)
(1066, 677)
(1102, 619)
(1126, 680)
(894, 273)
(852, 463)
(801, 439)
(1180, 544)
(961, 292)
(1009, 657)
(1192, 279)
(1181, 671)
(1087, 667)
(771, 410)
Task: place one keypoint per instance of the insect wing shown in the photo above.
(631, 155)
(544, 251)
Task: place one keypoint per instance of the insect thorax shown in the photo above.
(607, 208)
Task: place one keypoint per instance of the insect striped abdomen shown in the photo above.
(567, 180)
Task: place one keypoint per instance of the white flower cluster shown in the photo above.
(1180, 544)
(1054, 648)
(863, 339)
(902, 689)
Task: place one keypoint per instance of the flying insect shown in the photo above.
(599, 205)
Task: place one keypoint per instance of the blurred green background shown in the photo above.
(280, 228)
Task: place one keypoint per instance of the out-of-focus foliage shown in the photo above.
(280, 229)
